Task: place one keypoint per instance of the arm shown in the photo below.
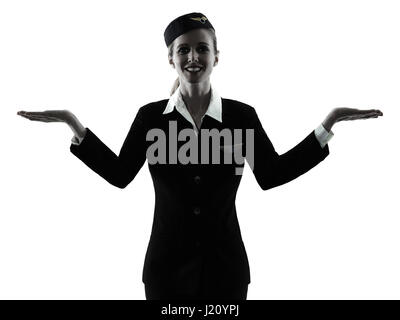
(117, 170)
(78, 129)
(271, 169)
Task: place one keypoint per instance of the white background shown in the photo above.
(333, 233)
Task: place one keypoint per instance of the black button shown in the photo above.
(196, 211)
(197, 179)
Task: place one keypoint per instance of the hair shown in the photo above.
(170, 53)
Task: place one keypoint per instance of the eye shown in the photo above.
(203, 48)
(182, 50)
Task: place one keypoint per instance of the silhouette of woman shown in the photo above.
(196, 249)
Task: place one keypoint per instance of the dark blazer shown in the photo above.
(195, 227)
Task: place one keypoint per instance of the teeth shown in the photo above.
(193, 69)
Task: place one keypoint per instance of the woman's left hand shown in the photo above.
(341, 114)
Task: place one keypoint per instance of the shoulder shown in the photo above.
(152, 109)
(237, 106)
(238, 109)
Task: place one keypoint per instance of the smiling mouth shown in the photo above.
(194, 69)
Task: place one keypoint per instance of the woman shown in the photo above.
(195, 249)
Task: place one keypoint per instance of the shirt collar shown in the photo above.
(214, 108)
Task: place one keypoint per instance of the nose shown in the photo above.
(193, 55)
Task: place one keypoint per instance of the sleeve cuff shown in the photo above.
(322, 135)
(76, 140)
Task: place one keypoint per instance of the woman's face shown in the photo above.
(194, 49)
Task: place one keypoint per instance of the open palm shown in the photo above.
(353, 114)
(47, 116)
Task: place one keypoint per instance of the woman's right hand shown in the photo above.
(48, 115)
(56, 116)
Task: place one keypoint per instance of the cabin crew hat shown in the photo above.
(185, 23)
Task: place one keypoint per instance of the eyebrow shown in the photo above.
(185, 44)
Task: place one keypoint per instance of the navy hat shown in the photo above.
(185, 23)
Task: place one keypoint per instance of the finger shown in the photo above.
(374, 111)
(361, 117)
(367, 114)
(48, 118)
(30, 116)
(37, 119)
(37, 115)
(369, 117)
(41, 118)
(32, 113)
(351, 117)
(26, 116)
